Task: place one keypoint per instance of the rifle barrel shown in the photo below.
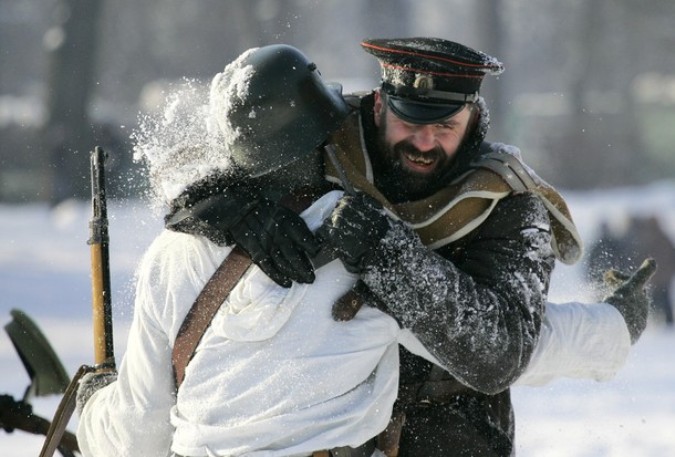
(100, 263)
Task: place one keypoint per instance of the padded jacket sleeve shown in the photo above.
(480, 313)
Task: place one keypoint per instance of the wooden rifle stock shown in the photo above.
(104, 356)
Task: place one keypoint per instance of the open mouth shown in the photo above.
(419, 162)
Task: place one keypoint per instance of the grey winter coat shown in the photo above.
(477, 305)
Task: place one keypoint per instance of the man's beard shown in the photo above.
(397, 182)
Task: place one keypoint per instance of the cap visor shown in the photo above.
(422, 113)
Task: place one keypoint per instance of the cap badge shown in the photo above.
(424, 82)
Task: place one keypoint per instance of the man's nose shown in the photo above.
(424, 137)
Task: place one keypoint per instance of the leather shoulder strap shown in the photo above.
(566, 242)
(217, 289)
(204, 309)
(509, 168)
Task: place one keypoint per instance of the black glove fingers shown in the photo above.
(354, 230)
(279, 242)
(256, 229)
(286, 232)
(296, 258)
(296, 230)
(294, 264)
(350, 222)
(352, 264)
(632, 301)
(247, 238)
(323, 235)
(269, 267)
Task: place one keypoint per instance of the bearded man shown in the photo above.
(452, 236)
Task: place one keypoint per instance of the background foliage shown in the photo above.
(588, 94)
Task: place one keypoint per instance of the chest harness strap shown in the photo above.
(209, 300)
(216, 290)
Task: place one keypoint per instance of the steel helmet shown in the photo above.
(274, 108)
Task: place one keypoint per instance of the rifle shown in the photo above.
(104, 356)
(101, 304)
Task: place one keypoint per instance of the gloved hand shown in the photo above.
(276, 238)
(354, 229)
(630, 296)
(90, 383)
(278, 241)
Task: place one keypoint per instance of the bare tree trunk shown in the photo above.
(494, 34)
(72, 47)
(597, 139)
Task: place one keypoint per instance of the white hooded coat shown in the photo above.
(275, 375)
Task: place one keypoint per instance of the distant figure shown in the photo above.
(620, 249)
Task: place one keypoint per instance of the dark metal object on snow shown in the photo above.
(47, 374)
(48, 377)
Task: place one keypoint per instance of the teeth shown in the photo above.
(419, 159)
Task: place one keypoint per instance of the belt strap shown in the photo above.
(205, 308)
(218, 288)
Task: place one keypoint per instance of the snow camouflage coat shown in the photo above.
(475, 301)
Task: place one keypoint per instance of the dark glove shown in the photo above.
(212, 215)
(630, 296)
(354, 229)
(278, 241)
(276, 238)
(90, 384)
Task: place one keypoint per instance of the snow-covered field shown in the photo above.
(44, 270)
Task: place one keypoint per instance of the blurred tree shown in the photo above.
(568, 96)
(71, 47)
(494, 34)
(601, 132)
(388, 18)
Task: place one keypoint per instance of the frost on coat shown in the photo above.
(480, 313)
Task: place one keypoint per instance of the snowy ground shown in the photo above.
(44, 270)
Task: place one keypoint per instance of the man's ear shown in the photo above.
(377, 108)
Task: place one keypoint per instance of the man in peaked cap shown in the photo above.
(469, 282)
(474, 296)
(426, 82)
(454, 237)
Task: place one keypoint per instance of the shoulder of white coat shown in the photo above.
(171, 274)
(172, 255)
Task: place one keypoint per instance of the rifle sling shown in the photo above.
(216, 290)
(54, 437)
(205, 308)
